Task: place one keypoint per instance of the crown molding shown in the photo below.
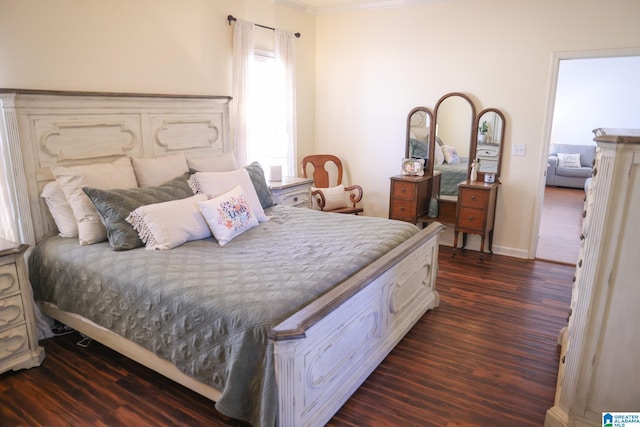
(297, 5)
(349, 6)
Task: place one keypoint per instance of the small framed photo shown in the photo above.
(489, 178)
(413, 167)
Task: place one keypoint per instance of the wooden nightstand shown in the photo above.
(292, 191)
(410, 195)
(19, 347)
(476, 212)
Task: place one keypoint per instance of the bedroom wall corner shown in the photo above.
(374, 65)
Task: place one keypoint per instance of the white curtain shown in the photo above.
(243, 53)
(285, 56)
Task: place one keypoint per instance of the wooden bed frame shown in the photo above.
(323, 352)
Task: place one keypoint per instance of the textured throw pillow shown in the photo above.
(170, 224)
(450, 154)
(114, 206)
(217, 183)
(228, 215)
(209, 162)
(60, 210)
(334, 198)
(105, 176)
(569, 160)
(256, 173)
(158, 170)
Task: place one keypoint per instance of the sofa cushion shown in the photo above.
(575, 172)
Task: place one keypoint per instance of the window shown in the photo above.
(267, 136)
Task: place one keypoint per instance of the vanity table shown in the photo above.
(476, 212)
(450, 140)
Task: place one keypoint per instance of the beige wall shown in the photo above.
(375, 65)
(143, 46)
(359, 73)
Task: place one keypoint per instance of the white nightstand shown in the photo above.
(292, 191)
(19, 347)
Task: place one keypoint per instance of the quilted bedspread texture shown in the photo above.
(208, 309)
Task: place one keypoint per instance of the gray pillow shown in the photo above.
(260, 184)
(114, 206)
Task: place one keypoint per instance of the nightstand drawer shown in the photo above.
(11, 312)
(13, 342)
(298, 198)
(403, 190)
(8, 280)
(473, 198)
(471, 218)
(403, 209)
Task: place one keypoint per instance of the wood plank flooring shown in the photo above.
(561, 225)
(487, 356)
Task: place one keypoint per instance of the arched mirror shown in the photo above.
(490, 124)
(451, 145)
(418, 127)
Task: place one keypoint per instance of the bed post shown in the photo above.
(12, 152)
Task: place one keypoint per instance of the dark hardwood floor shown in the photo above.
(488, 356)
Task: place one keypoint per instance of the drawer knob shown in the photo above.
(471, 218)
(403, 190)
(295, 199)
(401, 209)
(473, 197)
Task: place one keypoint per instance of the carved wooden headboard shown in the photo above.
(42, 129)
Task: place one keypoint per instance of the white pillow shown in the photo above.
(216, 183)
(154, 171)
(169, 224)
(210, 162)
(569, 160)
(60, 210)
(450, 154)
(438, 156)
(334, 198)
(104, 176)
(228, 215)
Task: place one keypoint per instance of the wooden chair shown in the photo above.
(321, 180)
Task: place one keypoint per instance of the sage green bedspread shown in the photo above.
(208, 309)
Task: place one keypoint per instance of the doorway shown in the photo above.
(588, 90)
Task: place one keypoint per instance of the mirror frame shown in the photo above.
(472, 133)
(408, 137)
(501, 145)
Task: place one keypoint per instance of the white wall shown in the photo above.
(593, 93)
(373, 66)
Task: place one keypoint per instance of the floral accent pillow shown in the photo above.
(228, 215)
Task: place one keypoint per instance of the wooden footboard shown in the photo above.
(325, 352)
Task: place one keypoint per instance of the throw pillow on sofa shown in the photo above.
(569, 160)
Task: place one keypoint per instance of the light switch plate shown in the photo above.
(519, 150)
